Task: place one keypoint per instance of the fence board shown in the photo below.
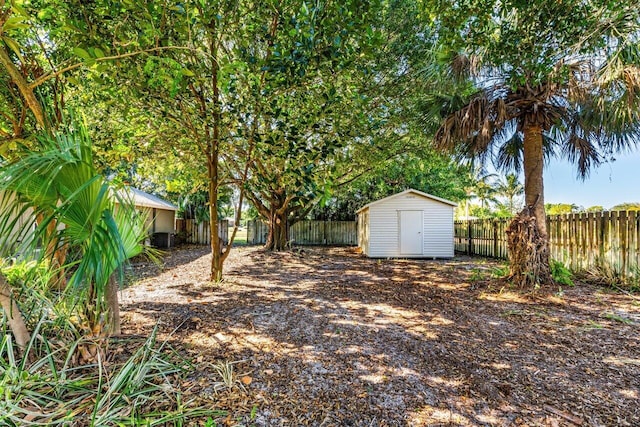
(196, 233)
(581, 241)
(309, 232)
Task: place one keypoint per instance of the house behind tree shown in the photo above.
(160, 215)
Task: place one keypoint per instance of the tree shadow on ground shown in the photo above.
(335, 338)
(142, 267)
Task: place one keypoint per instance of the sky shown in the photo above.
(608, 185)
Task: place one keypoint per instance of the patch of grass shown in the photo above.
(513, 312)
(477, 275)
(228, 379)
(612, 275)
(617, 318)
(594, 325)
(500, 272)
(241, 236)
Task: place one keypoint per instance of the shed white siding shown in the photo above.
(363, 231)
(382, 231)
(160, 214)
(159, 220)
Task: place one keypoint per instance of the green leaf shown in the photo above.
(81, 53)
(14, 23)
(7, 146)
(19, 10)
(98, 52)
(71, 28)
(13, 45)
(187, 73)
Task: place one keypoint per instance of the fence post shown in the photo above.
(495, 238)
(622, 221)
(469, 241)
(602, 235)
(251, 232)
(324, 233)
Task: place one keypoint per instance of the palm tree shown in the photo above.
(58, 184)
(484, 189)
(481, 186)
(511, 189)
(553, 79)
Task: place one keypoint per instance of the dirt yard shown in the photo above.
(326, 337)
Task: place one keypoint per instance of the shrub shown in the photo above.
(560, 273)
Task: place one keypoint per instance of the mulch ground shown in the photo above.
(327, 337)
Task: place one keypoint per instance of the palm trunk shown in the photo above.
(16, 322)
(113, 306)
(533, 175)
(527, 233)
(56, 255)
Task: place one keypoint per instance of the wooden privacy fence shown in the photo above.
(329, 233)
(580, 240)
(190, 231)
(485, 237)
(256, 232)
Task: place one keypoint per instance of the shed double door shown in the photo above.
(411, 228)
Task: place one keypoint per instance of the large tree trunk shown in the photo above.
(113, 306)
(278, 236)
(278, 220)
(16, 322)
(527, 234)
(213, 161)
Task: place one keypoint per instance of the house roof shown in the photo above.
(410, 190)
(146, 200)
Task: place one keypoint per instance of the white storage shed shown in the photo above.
(411, 224)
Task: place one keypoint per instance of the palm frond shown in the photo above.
(509, 155)
(582, 152)
(74, 206)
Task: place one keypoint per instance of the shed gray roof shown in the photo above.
(410, 190)
(146, 200)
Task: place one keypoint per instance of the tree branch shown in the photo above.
(63, 70)
(25, 89)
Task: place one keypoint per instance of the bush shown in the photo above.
(560, 273)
